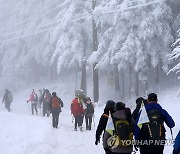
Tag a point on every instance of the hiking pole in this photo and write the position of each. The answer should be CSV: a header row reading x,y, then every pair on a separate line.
x,y
171,133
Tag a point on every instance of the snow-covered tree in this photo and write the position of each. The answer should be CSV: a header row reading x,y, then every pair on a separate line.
x,y
74,41
133,36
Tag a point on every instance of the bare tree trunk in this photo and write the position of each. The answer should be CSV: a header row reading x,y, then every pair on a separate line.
x,y
35,71
145,82
157,74
83,78
157,79
130,80
122,85
116,76
76,82
95,47
95,84
50,73
136,84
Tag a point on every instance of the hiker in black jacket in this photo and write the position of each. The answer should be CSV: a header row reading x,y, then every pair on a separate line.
x,y
7,99
109,108
138,106
89,112
121,125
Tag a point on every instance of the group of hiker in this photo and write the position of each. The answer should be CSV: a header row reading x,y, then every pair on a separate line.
x,y
41,101
50,103
81,107
119,127
143,128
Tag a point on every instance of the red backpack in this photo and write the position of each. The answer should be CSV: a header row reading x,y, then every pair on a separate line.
x,y
76,107
55,102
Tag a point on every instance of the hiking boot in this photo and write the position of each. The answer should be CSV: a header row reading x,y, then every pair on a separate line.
x,y
75,129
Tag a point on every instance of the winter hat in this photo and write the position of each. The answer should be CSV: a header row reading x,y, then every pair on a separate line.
x,y
110,104
119,106
140,100
109,107
54,93
152,97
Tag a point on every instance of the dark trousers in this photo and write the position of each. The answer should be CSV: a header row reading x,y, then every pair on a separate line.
x,y
78,121
55,117
7,105
151,149
46,109
34,106
88,121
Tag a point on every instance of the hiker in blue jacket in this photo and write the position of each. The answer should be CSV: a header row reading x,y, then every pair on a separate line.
x,y
177,144
154,130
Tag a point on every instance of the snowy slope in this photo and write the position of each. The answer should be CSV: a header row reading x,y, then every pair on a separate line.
x,y
32,135
22,133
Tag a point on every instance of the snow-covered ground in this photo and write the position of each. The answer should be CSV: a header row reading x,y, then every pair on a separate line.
x,y
22,133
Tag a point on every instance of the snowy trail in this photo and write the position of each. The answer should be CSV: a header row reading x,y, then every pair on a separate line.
x,y
23,133
70,141
35,134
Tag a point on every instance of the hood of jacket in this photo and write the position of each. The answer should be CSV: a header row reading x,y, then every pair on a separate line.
x,y
121,114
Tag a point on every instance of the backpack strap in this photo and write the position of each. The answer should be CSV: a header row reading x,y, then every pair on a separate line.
x,y
149,129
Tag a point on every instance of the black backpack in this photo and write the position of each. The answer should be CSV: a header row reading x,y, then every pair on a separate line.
x,y
154,130
89,109
123,131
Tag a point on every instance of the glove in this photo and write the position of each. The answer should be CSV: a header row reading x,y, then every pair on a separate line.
x,y
97,141
27,101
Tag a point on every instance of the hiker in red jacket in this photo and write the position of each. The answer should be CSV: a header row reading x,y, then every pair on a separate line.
x,y
78,112
34,100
